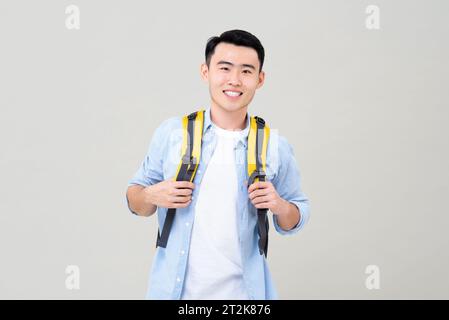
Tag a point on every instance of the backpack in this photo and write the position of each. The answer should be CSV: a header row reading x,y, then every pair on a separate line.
x,y
191,150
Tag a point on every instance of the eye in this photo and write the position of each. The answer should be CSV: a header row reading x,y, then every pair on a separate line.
x,y
247,71
224,68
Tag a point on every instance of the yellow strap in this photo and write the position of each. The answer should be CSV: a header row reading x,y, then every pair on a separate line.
x,y
197,137
252,147
198,134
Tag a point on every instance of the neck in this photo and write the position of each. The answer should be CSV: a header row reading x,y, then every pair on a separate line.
x,y
228,120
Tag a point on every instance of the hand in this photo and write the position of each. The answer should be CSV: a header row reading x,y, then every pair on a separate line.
x,y
170,194
263,195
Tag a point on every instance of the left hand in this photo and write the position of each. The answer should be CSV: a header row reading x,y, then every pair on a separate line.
x,y
263,195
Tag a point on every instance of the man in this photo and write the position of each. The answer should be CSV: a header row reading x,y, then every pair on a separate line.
x,y
212,252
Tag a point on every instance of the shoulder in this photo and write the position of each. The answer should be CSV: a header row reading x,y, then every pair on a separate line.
x,y
161,135
279,146
165,129
172,123
279,153
171,128
284,146
169,124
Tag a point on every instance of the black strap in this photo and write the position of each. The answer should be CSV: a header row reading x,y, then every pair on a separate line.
x,y
185,174
262,217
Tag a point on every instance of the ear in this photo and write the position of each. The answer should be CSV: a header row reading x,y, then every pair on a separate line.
x,y
261,79
204,71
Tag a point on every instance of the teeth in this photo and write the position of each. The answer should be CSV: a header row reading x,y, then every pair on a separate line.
x,y
232,93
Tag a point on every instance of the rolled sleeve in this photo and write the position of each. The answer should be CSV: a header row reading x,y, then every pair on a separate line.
x,y
288,185
150,170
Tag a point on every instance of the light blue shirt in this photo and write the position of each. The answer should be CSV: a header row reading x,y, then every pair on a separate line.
x,y
161,163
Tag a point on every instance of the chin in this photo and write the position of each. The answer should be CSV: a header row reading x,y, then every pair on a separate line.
x,y
233,107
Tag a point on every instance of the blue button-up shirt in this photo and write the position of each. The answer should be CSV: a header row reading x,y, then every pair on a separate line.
x,y
161,163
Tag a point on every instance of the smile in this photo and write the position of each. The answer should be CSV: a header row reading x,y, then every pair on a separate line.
x,y
232,94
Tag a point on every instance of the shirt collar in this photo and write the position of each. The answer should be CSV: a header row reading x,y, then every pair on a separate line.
x,y
243,139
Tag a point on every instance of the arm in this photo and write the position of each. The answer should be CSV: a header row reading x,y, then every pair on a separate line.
x,y
149,173
264,196
143,201
283,195
288,183
288,215
139,202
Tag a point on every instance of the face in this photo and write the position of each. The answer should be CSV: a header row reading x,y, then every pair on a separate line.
x,y
233,76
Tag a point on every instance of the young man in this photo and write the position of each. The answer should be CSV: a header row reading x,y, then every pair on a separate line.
x,y
213,252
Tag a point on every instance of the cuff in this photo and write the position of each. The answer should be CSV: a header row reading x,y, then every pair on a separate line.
x,y
304,215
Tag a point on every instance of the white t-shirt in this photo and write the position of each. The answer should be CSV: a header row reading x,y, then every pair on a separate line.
x,y
214,267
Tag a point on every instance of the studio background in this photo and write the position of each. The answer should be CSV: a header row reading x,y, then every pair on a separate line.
x,y
365,110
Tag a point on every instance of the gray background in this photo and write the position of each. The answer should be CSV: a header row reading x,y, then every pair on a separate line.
x,y
366,112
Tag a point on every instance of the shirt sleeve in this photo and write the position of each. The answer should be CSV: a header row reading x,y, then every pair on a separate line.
x,y
150,170
288,185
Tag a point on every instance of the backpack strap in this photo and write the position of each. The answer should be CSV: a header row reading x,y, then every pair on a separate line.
x,y
258,137
191,151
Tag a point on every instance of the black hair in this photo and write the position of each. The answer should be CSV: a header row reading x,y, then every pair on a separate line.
x,y
238,38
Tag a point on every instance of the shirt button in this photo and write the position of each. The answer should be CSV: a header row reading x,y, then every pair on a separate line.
x,y
182,252
177,279
187,224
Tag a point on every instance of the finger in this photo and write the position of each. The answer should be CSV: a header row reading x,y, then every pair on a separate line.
x,y
261,191
258,185
182,192
180,199
261,199
181,205
263,205
258,193
184,184
253,187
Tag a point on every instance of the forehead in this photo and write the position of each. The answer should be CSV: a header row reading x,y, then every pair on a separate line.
x,y
235,54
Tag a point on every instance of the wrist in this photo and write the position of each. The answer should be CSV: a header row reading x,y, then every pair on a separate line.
x,y
283,208
148,194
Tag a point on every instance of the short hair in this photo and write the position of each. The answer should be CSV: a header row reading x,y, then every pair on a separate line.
x,y
238,38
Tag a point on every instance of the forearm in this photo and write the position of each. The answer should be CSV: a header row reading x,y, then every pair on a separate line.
x,y
139,201
288,215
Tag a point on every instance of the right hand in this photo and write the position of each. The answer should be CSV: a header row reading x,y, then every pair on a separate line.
x,y
170,194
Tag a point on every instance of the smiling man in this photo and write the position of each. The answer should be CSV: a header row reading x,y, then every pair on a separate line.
x,y
213,251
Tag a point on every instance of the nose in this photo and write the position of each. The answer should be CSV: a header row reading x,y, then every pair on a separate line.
x,y
234,78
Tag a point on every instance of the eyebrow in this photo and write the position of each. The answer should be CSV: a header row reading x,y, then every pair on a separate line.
x,y
231,64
